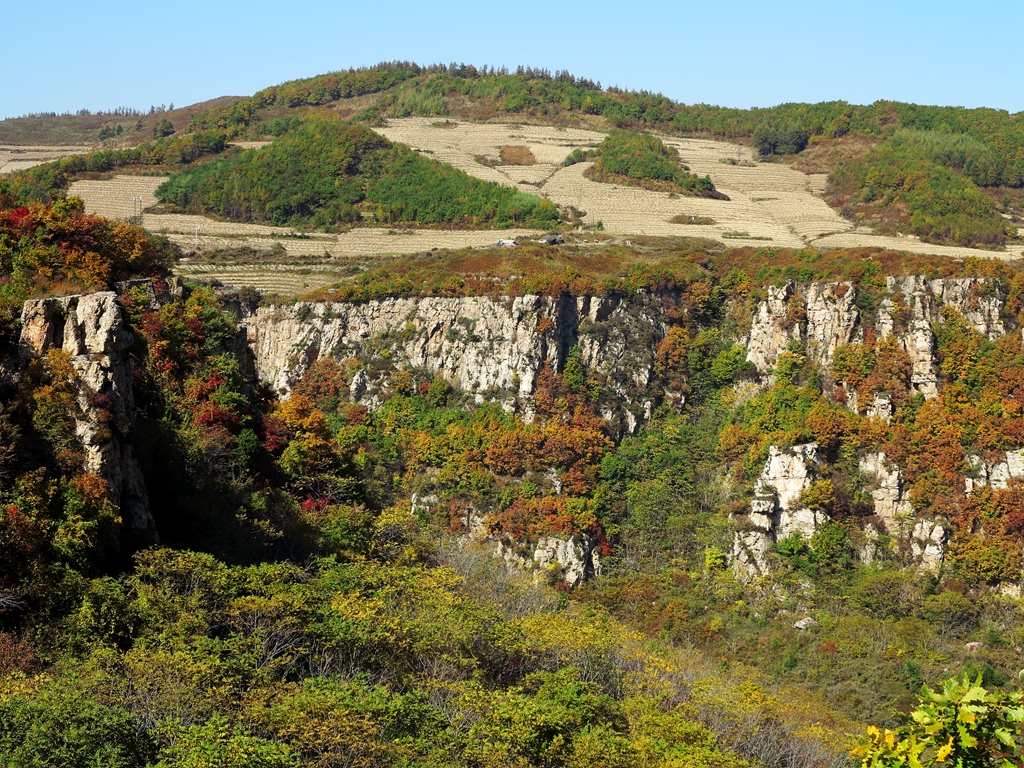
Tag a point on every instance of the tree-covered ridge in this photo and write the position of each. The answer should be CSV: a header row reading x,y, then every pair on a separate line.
x,y
301,611
929,184
322,171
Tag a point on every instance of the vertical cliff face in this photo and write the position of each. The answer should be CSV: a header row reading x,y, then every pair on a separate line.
x,y
496,347
481,344
92,330
777,509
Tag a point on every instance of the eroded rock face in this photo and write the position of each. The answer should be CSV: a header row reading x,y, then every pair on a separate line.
x,y
890,503
978,300
575,556
928,543
479,343
824,316
92,330
927,538
772,328
494,346
776,511
832,318
881,408
997,474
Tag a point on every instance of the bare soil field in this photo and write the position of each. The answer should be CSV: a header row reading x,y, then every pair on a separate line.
x,y
17,158
283,279
113,197
770,203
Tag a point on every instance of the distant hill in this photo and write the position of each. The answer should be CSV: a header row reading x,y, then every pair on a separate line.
x,y
76,129
949,175
940,193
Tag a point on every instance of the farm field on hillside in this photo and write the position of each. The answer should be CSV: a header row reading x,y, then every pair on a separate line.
x,y
283,279
18,158
767,200
770,204
113,197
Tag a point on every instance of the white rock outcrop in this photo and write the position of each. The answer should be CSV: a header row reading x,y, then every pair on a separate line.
x,y
928,543
575,556
832,318
481,344
91,329
772,328
775,511
891,505
996,474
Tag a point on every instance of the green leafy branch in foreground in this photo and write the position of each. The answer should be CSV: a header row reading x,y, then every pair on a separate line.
x,y
963,725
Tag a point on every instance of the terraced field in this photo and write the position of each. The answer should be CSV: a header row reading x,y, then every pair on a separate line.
x,y
18,158
767,201
770,204
283,279
914,245
113,197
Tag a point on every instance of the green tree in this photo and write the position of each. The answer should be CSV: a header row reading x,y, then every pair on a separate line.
x,y
963,725
162,128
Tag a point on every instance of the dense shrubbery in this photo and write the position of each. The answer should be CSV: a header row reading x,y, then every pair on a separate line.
x,y
642,159
922,183
55,247
319,170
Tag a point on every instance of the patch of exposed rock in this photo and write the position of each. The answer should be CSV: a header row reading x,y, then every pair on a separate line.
x,y
481,344
995,474
824,316
776,511
92,330
574,557
891,505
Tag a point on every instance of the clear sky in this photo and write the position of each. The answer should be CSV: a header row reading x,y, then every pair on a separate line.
x,y
99,55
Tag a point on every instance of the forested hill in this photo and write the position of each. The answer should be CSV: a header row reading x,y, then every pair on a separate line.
x,y
323,171
947,174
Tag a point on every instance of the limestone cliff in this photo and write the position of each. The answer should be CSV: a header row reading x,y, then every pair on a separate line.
x,y
824,316
776,510
481,344
92,330
495,347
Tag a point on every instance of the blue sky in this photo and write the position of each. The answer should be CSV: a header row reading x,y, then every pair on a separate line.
x,y
731,52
